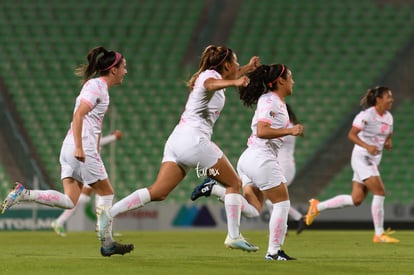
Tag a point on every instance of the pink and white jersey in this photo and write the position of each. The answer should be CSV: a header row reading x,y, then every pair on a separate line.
x,y
95,94
203,107
270,109
375,128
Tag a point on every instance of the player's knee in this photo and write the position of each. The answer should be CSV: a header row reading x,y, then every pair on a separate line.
x,y
357,201
158,196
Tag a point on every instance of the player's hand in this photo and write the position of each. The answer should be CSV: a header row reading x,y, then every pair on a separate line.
x,y
373,150
117,134
297,130
79,154
388,145
254,63
242,81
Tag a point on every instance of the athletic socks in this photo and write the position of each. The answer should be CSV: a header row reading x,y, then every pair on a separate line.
x,y
103,203
293,212
377,212
135,200
232,204
336,202
247,210
278,226
49,197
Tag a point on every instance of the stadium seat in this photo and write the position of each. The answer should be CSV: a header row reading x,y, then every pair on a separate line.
x,y
331,47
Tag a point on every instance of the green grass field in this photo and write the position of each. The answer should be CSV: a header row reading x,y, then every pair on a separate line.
x,y
203,252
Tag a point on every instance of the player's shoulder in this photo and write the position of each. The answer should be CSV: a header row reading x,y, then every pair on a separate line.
x,y
95,84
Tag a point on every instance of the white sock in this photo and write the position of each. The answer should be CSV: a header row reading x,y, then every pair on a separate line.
x,y
83,200
295,214
336,202
278,226
49,198
103,204
232,204
218,191
269,205
247,210
135,200
377,212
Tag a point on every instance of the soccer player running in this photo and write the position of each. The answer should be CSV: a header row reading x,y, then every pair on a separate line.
x,y
79,157
85,196
286,159
190,146
371,132
258,165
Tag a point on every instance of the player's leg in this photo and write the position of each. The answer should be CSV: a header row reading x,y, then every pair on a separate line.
x,y
105,196
279,197
58,225
210,186
232,203
51,198
376,186
169,176
359,193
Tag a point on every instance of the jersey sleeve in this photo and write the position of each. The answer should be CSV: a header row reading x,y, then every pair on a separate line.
x,y
206,75
360,120
90,95
267,110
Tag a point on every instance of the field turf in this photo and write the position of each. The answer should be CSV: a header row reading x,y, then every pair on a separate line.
x,y
202,252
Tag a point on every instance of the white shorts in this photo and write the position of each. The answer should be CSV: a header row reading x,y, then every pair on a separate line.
x,y
260,168
364,164
87,172
190,150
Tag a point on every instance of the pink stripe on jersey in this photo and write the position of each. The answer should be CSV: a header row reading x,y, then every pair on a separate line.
x,y
87,102
265,120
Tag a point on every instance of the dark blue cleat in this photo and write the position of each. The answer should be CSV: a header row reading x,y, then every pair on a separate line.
x,y
204,189
279,256
116,248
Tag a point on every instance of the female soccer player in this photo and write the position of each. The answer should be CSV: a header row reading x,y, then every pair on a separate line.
x,y
258,165
190,145
79,157
371,132
286,159
85,196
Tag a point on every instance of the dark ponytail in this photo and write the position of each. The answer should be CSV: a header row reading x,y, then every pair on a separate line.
x,y
100,61
370,98
262,80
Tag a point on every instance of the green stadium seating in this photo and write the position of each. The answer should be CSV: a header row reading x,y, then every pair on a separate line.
x,y
331,46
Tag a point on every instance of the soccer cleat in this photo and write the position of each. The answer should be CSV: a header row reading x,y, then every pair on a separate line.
x,y
279,256
104,222
312,211
59,229
301,225
13,197
385,238
204,189
116,248
240,243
